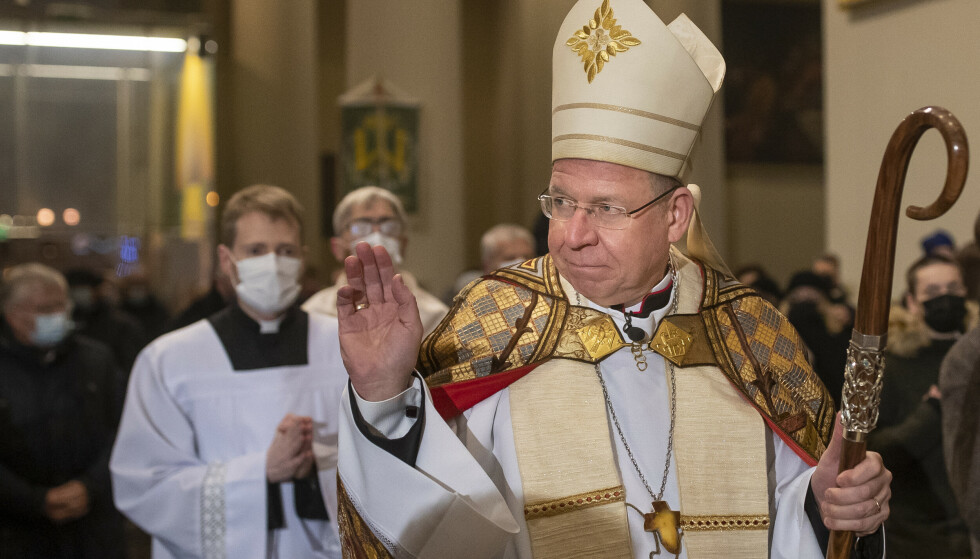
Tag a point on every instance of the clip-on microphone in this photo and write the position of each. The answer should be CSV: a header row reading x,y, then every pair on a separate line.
x,y
635,333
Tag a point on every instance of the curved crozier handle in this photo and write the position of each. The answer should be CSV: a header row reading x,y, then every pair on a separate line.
x,y
874,296
864,373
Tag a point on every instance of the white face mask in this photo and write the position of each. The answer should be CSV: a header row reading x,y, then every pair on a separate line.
x,y
50,329
268,283
377,239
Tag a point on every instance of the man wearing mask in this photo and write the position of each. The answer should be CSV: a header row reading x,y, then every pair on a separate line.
x,y
227,446
925,521
376,216
59,407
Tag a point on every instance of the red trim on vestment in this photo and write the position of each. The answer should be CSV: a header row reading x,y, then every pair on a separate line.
x,y
503,280
804,455
453,399
795,446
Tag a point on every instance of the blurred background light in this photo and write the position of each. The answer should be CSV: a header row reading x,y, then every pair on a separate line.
x,y
89,41
13,38
45,217
129,249
71,216
80,244
212,199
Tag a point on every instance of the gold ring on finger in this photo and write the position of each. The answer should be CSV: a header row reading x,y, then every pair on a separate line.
x,y
361,306
877,504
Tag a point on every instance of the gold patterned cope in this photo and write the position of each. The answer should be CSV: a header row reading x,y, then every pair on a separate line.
x,y
521,316
600,39
723,335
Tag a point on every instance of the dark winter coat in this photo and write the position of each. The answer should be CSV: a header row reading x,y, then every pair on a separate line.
x,y
59,410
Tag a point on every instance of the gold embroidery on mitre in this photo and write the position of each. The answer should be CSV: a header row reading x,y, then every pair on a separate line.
x,y
600,337
599,39
671,342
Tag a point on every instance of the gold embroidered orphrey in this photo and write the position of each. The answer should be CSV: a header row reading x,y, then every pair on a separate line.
x,y
599,39
600,338
672,343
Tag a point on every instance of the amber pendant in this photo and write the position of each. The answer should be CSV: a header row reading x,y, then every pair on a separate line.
x,y
665,525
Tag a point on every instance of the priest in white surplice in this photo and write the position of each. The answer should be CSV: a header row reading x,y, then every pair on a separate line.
x,y
615,398
228,441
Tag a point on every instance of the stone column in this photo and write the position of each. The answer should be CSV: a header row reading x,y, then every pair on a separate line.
x,y
417,46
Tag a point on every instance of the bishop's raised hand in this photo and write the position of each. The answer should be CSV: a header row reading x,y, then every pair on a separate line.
x,y
379,325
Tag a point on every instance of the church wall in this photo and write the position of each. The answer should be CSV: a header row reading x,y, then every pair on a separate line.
x,y
776,218
271,92
416,45
883,61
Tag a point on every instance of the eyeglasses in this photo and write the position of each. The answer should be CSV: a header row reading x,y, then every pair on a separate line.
x,y
386,225
602,215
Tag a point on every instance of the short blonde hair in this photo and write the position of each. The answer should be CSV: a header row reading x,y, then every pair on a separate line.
x,y
18,278
273,201
364,196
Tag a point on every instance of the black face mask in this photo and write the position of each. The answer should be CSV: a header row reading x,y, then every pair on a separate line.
x,y
945,313
804,310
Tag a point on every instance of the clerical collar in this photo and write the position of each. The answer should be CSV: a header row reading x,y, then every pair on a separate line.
x,y
647,324
653,301
270,326
252,345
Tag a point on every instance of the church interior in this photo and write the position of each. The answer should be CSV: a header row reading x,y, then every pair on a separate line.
x,y
125,126
100,130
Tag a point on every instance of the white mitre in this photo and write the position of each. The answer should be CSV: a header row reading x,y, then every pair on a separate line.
x,y
629,90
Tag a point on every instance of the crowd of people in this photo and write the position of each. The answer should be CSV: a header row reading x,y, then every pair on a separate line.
x,y
552,398
254,352
927,428
68,344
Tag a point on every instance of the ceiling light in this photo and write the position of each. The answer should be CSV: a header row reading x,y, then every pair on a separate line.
x,y
88,41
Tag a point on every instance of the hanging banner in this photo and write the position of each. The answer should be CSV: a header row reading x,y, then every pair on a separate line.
x,y
380,140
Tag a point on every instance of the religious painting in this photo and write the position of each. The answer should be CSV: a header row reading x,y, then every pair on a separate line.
x,y
774,85
380,141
